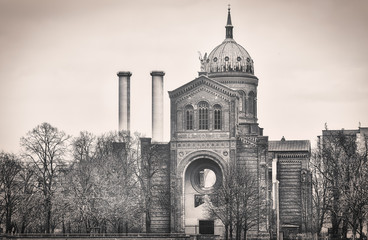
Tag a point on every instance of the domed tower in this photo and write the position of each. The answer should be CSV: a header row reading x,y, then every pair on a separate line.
x,y
213,121
230,64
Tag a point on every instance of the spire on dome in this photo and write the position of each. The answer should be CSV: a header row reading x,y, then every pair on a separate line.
x,y
228,16
229,26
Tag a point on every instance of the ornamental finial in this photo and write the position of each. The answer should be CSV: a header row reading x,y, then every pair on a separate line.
x,y
229,26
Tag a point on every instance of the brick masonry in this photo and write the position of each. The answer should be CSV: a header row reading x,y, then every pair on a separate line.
x,y
241,141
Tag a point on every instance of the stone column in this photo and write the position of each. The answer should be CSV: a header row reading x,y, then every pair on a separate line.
x,y
157,105
275,196
124,100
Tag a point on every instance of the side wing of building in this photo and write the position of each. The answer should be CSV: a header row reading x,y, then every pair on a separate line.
x,y
291,160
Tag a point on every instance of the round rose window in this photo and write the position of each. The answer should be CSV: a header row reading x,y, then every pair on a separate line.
x,y
205,175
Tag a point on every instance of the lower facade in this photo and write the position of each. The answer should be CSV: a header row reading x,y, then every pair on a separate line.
x,y
190,172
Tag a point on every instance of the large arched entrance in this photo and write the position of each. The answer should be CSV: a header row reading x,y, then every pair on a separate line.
x,y
202,177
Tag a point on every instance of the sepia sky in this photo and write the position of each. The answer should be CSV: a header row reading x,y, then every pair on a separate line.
x,y
59,59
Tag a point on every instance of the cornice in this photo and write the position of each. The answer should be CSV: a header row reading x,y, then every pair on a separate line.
x,y
292,155
231,74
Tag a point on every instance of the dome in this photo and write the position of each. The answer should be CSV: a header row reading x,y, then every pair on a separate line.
x,y
228,56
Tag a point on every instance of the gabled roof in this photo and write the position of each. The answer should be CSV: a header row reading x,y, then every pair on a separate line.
x,y
289,146
203,80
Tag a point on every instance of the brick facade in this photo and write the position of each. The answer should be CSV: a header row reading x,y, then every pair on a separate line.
x,y
213,122
240,141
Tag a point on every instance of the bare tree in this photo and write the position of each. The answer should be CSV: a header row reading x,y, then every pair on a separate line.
x,y
45,147
321,198
27,213
149,168
340,182
236,203
10,168
355,194
102,185
81,179
117,185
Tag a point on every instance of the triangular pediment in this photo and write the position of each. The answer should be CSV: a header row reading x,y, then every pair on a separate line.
x,y
203,83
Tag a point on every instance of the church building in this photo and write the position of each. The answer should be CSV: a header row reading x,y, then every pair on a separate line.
x,y
213,125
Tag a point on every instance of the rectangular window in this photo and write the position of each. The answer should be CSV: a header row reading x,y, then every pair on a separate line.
x,y
203,119
189,120
217,118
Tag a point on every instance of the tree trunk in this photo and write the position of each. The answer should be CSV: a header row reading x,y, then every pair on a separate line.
x,y
48,214
231,230
360,226
148,221
23,226
8,222
245,233
335,225
238,230
344,229
227,232
354,226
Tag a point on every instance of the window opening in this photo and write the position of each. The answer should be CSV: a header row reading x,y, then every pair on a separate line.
x,y
217,117
203,115
189,118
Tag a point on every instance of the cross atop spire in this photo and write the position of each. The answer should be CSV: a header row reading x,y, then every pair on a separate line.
x,y
229,26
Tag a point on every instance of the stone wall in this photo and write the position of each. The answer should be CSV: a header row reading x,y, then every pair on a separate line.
x,y
159,154
251,153
290,192
161,193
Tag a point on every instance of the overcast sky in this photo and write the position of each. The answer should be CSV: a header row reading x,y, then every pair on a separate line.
x,y
59,59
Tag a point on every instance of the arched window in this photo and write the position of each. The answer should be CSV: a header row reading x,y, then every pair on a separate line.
x,y
242,101
189,117
217,117
251,103
203,115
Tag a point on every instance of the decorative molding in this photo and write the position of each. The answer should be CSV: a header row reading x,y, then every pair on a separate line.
x,y
203,81
293,155
242,81
198,154
290,161
204,136
249,140
201,89
203,144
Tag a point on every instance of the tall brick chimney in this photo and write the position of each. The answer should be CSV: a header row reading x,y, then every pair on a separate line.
x,y
157,105
124,100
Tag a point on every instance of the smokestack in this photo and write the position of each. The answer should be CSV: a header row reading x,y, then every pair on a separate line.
x,y
124,100
157,105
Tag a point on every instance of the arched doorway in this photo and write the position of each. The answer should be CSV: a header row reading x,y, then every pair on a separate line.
x,y
202,177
